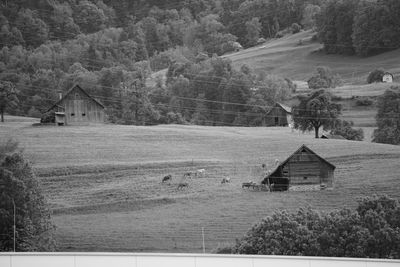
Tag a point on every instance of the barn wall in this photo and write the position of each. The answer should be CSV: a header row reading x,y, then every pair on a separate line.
x,y
309,169
81,109
280,114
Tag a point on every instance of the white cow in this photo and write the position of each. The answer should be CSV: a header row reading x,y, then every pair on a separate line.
x,y
200,172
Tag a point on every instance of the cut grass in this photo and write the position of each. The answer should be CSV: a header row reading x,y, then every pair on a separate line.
x,y
103,182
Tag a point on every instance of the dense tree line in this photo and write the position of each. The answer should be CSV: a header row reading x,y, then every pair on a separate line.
x,y
369,231
361,27
110,47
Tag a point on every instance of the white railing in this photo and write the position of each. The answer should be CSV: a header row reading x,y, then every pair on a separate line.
x,y
178,260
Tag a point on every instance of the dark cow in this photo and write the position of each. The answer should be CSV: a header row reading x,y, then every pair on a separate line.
x,y
248,184
225,180
167,178
182,185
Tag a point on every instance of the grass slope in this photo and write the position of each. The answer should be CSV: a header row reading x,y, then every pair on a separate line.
x,y
285,57
103,182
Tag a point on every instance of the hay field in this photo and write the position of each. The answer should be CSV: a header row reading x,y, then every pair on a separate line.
x,y
103,182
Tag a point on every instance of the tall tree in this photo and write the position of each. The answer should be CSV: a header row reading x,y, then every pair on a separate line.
x,y
316,111
388,118
8,97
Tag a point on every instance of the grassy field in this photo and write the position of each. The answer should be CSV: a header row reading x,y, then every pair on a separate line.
x,y
103,182
286,57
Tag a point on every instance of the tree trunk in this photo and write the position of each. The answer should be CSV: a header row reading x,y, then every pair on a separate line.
x,y
2,115
316,132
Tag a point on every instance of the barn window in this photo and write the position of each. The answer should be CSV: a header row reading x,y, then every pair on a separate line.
x,y
76,96
83,114
72,114
305,177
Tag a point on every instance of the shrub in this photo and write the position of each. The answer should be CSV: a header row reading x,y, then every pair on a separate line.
x,y
376,76
370,231
364,101
345,129
48,117
295,28
324,78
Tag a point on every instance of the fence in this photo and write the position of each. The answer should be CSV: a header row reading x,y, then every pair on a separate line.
x,y
177,260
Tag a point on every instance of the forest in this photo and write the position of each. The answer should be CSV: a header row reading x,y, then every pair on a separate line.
x,y
110,47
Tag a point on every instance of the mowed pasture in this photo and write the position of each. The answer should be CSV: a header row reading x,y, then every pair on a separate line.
x,y
296,57
103,182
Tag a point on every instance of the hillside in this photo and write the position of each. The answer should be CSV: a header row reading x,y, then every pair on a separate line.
x,y
287,58
103,182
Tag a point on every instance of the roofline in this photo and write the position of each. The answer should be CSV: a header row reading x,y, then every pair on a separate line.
x,y
306,147
70,90
281,106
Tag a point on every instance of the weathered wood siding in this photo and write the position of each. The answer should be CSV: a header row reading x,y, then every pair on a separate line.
x,y
277,117
304,168
81,109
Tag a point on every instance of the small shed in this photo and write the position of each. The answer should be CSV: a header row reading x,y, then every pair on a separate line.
x,y
332,136
279,115
77,107
304,169
387,77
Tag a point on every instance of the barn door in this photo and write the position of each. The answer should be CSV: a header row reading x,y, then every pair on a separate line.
x,y
78,110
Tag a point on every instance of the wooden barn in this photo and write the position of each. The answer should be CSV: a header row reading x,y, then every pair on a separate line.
x,y
77,107
303,169
279,115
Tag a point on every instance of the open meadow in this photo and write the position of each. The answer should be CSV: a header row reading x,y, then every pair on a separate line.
x,y
103,182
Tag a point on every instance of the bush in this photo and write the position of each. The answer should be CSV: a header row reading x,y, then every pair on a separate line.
x,y
295,28
376,76
48,117
324,78
370,231
364,101
345,129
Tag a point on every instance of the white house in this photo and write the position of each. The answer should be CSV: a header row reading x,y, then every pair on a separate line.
x,y
387,77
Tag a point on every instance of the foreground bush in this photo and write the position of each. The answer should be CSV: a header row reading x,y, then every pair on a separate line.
x,y
370,231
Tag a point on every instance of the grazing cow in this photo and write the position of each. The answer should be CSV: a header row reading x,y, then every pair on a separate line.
x,y
248,184
182,185
200,172
187,175
167,178
225,180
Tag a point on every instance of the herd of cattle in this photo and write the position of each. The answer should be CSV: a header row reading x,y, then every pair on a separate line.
x,y
201,173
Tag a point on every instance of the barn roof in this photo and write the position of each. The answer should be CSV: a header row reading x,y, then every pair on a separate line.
x,y
284,107
388,73
297,151
69,91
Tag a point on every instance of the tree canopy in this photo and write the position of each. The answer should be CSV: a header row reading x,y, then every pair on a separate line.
x,y
388,118
315,111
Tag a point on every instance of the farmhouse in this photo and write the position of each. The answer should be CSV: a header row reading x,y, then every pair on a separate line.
x,y
303,169
77,107
387,77
279,115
